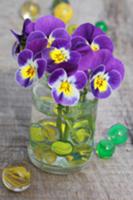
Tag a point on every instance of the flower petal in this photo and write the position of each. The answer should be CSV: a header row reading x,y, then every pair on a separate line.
x,y
60,33
115,64
60,98
21,81
100,95
56,77
88,31
79,79
79,44
99,69
24,56
48,23
36,42
114,79
41,67
104,42
61,43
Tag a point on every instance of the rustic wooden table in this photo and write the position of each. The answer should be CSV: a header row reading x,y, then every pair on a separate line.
x,y
103,179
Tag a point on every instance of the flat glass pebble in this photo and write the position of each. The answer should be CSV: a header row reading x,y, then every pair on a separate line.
x,y
80,135
118,133
102,25
16,177
29,10
62,148
105,149
49,156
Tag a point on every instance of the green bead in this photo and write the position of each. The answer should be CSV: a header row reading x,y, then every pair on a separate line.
x,y
105,149
102,25
118,133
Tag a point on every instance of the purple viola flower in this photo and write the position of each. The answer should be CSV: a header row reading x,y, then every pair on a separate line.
x,y
48,29
107,76
60,55
95,39
66,89
29,69
28,27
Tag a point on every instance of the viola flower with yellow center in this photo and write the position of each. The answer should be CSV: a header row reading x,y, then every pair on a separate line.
x,y
96,40
66,89
47,30
103,82
29,69
60,55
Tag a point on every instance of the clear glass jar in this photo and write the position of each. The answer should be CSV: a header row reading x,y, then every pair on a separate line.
x,y
61,138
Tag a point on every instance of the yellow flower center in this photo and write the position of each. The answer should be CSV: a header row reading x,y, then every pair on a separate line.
x,y
100,83
95,47
59,55
50,41
66,88
28,71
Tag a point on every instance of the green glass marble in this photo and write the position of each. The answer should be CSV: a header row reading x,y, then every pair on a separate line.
x,y
118,133
105,149
102,25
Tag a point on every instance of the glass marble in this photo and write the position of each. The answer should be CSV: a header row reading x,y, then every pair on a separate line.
x,y
63,11
118,133
29,10
102,25
16,177
105,149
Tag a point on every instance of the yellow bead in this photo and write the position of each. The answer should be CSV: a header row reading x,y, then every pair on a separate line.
x,y
63,11
29,10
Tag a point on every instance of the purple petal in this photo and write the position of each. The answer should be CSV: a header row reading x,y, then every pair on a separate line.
x,y
86,61
61,43
21,81
57,76
15,49
101,57
24,56
41,67
74,57
100,68
79,44
70,68
100,95
87,31
63,100
29,28
79,79
114,79
36,42
115,64
60,33
47,24
104,42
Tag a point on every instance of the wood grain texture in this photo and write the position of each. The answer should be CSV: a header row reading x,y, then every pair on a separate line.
x,y
102,179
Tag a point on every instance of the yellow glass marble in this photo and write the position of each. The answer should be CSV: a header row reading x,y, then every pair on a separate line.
x,y
63,11
29,10
16,177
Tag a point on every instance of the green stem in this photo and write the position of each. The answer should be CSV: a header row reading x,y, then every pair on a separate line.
x,y
67,126
59,120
